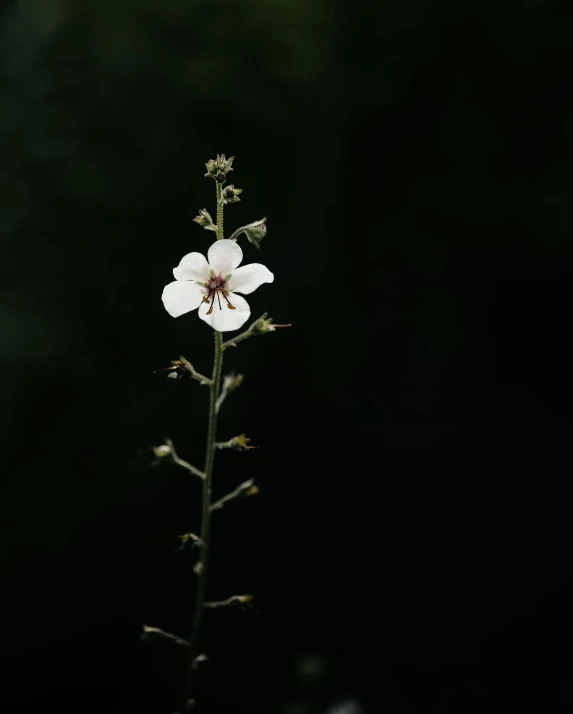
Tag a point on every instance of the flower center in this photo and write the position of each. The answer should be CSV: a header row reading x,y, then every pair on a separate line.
x,y
215,287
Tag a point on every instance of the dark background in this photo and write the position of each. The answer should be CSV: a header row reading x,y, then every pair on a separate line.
x,y
412,548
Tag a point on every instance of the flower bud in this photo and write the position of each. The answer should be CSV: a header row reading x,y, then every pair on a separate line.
x,y
231,194
162,451
204,219
256,231
219,167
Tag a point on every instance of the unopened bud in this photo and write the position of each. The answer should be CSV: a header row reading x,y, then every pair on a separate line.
x,y
231,194
162,451
256,231
204,219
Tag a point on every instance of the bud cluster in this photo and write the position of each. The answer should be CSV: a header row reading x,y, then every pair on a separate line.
x,y
219,168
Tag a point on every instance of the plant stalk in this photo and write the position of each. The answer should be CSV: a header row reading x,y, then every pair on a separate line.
x,y
205,515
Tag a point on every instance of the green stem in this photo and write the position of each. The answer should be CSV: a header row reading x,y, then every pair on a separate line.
x,y
219,211
201,570
234,341
206,514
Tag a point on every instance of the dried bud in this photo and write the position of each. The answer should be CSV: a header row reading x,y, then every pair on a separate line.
x,y
232,381
231,194
183,369
190,540
219,167
179,369
204,219
264,325
241,443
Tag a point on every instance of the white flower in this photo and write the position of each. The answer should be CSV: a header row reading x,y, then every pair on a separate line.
x,y
213,286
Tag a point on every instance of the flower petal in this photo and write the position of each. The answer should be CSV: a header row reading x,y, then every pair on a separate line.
x,y
181,297
193,266
224,320
224,256
248,278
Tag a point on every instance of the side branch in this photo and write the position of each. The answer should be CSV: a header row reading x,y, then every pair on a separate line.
x,y
241,601
258,327
253,329
230,383
148,632
247,488
183,369
239,443
182,463
190,370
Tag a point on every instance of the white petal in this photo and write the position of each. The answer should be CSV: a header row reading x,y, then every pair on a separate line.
x,y
224,256
181,297
193,266
225,320
248,278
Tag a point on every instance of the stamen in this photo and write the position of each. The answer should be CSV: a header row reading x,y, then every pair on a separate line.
x,y
210,310
231,307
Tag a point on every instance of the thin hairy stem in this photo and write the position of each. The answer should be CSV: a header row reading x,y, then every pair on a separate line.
x,y
219,211
205,515
201,568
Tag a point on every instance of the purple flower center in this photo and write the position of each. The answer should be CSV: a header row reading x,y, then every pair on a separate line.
x,y
217,287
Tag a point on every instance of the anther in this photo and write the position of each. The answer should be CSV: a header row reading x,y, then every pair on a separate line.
x,y
231,307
